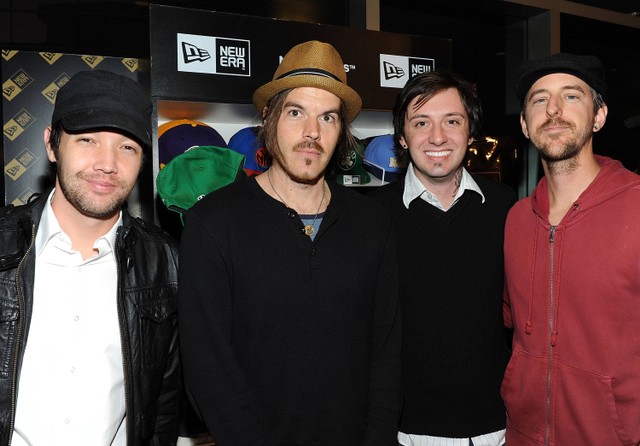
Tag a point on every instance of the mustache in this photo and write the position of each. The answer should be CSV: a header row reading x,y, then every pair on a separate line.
x,y
309,145
552,122
100,178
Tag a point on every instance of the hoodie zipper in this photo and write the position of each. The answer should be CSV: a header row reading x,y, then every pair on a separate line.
x,y
19,330
552,232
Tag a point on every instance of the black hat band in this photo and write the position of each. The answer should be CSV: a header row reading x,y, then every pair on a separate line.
x,y
311,71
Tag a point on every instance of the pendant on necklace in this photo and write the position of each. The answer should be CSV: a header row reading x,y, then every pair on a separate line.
x,y
309,230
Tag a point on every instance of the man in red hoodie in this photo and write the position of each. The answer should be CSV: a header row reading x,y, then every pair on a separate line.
x,y
572,265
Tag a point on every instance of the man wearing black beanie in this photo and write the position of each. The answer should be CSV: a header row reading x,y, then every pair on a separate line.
x,y
572,268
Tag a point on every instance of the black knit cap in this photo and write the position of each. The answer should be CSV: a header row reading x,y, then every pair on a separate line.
x,y
98,99
587,68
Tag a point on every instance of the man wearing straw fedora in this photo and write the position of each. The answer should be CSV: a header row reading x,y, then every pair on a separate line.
x,y
288,303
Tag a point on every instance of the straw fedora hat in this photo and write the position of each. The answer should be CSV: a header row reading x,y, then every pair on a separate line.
x,y
311,64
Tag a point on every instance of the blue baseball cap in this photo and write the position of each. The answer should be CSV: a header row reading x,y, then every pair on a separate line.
x,y
380,159
257,158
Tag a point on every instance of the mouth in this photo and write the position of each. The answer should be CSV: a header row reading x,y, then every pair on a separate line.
x,y
101,185
556,126
308,151
309,148
438,153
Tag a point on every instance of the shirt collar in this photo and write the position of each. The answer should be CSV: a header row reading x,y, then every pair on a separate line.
x,y
49,229
413,189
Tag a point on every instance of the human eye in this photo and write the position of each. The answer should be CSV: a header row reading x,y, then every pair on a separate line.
x,y
130,148
538,100
454,122
329,118
84,139
420,124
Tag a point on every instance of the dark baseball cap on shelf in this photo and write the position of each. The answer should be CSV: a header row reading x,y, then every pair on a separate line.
x,y
177,136
587,68
98,99
632,122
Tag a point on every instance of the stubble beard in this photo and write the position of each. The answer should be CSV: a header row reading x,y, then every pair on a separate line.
x,y
561,157
304,178
74,192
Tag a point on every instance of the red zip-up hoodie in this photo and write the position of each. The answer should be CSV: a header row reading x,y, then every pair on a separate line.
x,y
572,295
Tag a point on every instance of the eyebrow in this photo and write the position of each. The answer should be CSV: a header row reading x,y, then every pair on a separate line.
x,y
564,88
296,105
446,115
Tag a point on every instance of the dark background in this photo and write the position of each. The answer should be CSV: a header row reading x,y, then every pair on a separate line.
x,y
481,32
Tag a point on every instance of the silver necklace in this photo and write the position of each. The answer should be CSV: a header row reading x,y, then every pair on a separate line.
x,y
310,228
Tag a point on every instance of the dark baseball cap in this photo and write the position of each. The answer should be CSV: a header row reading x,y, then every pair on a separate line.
x,y
632,122
102,99
587,68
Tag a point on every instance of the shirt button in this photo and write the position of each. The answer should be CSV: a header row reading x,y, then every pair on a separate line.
x,y
67,421
77,318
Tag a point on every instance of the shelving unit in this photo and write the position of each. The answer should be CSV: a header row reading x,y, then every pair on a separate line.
x,y
193,77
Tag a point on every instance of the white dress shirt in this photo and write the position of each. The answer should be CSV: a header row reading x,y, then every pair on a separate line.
x,y
71,386
491,439
413,189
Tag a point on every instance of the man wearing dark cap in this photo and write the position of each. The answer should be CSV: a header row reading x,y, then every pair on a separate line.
x,y
289,322
572,264
88,328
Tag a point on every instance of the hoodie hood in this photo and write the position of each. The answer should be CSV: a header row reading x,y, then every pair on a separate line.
x,y
612,179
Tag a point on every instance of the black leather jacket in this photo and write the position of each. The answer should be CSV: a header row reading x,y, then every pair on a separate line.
x,y
147,302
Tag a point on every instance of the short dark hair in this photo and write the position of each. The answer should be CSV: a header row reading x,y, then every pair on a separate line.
x,y
425,86
55,136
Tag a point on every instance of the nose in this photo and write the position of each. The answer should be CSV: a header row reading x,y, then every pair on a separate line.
x,y
106,160
437,136
312,129
553,107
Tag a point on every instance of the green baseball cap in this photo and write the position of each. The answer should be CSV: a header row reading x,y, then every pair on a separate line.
x,y
348,170
190,176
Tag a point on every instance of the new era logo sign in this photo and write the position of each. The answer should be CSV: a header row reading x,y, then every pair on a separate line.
x,y
192,53
232,57
392,71
214,55
395,71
